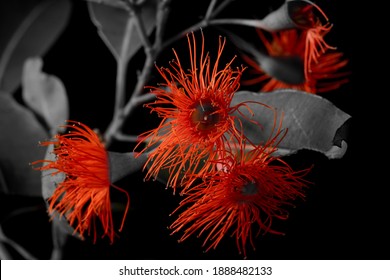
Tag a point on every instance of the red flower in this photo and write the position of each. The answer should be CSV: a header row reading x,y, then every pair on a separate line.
x,y
304,15
196,114
84,195
321,66
319,60
248,191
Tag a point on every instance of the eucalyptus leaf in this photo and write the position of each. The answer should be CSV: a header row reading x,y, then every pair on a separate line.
x,y
44,94
117,28
312,121
36,29
19,137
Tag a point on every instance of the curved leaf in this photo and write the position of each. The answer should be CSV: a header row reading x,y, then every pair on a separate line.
x,y
44,94
19,137
312,121
117,27
39,27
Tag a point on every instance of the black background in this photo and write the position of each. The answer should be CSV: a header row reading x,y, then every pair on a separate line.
x,y
342,217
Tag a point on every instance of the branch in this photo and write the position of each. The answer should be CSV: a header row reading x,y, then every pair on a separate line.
x,y
161,19
210,14
126,138
210,9
222,6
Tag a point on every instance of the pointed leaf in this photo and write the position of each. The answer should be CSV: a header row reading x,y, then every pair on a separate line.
x,y
117,27
19,137
281,18
312,121
37,29
44,94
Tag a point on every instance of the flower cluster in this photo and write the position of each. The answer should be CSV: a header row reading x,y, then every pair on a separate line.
x,y
200,138
231,184
242,186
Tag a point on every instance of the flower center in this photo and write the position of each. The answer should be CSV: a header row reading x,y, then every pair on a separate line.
x,y
245,187
249,189
205,116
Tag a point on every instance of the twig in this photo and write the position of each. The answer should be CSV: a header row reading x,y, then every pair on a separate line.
x,y
210,14
161,19
210,9
222,6
126,138
121,71
136,99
